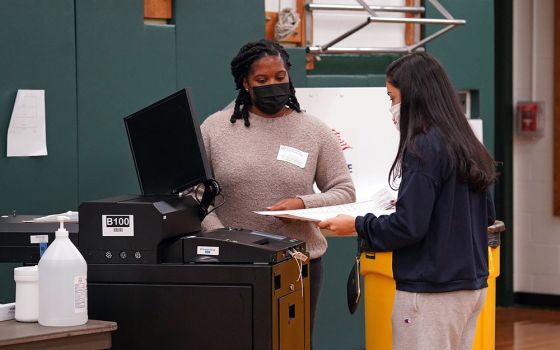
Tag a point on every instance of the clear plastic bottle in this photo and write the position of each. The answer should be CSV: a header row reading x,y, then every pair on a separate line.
x,y
62,283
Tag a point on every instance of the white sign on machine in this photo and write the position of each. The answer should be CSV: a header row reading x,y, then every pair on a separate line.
x,y
207,250
118,225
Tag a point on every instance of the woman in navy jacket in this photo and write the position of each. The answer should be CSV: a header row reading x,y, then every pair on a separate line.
x,y
438,233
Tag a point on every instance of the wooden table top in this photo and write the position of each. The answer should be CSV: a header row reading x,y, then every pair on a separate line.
x,y
13,332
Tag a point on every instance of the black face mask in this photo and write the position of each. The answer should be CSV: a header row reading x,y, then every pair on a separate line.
x,y
271,98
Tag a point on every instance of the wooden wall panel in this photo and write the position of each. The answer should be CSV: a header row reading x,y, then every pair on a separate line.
x,y
160,9
409,31
556,110
298,38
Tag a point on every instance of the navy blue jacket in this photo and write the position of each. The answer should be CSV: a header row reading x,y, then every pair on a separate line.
x,y
438,233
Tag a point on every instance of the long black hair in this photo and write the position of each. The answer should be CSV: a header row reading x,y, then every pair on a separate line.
x,y
240,68
428,99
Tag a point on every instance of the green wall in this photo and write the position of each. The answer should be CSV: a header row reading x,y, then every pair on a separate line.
x,y
467,52
37,52
122,66
209,35
99,62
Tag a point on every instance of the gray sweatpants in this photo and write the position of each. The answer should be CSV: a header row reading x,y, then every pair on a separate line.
x,y
436,321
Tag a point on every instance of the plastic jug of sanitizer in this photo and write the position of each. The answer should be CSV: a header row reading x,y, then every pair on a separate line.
x,y
62,283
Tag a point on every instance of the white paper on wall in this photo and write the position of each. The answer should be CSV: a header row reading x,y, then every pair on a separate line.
x,y
27,131
361,120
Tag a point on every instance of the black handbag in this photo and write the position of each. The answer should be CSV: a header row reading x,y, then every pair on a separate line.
x,y
353,289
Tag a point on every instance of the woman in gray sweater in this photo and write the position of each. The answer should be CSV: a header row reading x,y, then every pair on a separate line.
x,y
267,154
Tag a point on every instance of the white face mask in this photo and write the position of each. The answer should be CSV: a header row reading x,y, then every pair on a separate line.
x,y
396,113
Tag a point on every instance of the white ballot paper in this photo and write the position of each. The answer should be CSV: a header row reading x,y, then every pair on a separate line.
x,y
27,131
382,204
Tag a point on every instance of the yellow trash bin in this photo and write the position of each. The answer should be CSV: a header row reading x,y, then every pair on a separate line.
x,y
379,288
485,336
379,293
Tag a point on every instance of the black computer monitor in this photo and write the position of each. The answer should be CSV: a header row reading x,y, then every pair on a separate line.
x,y
167,146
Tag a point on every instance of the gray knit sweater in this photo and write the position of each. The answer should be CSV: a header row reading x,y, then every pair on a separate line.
x,y
244,162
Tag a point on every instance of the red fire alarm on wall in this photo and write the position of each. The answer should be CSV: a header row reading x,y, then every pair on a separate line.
x,y
529,119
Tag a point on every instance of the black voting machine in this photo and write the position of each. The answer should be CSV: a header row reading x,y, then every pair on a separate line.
x,y
167,284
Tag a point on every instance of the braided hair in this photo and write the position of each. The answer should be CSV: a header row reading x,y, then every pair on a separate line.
x,y
240,67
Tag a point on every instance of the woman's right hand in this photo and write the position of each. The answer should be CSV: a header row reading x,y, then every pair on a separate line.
x,y
341,225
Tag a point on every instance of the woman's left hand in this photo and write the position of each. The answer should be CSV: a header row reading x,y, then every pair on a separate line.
x,y
341,225
287,204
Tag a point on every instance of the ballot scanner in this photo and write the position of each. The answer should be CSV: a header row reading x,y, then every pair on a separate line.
x,y
221,289
166,229
166,283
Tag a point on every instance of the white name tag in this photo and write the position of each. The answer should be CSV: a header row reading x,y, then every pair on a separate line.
x,y
293,156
